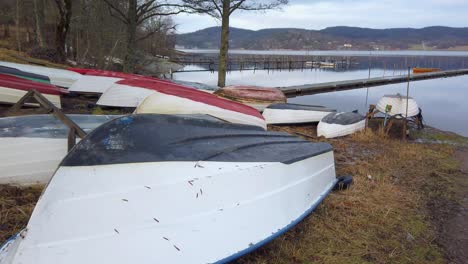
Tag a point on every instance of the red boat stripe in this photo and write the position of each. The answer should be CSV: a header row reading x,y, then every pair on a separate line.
x,y
14,82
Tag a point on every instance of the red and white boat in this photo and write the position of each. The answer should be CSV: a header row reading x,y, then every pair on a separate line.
x,y
256,97
152,96
59,77
13,88
98,81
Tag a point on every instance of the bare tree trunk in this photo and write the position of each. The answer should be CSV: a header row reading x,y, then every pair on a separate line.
x,y
65,11
6,31
224,45
39,16
18,33
129,62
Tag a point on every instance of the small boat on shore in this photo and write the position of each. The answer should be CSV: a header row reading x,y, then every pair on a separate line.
x,y
340,124
189,101
398,103
169,189
294,113
31,147
132,92
256,97
59,77
425,70
24,75
13,88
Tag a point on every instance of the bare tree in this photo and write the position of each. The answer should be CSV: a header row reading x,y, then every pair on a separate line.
x,y
65,11
135,13
18,30
223,9
40,24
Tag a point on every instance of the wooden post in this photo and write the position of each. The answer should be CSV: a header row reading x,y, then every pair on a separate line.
x,y
71,138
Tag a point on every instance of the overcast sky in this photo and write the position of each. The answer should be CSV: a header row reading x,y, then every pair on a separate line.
x,y
319,14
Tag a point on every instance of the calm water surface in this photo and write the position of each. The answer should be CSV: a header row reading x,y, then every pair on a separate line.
x,y
443,101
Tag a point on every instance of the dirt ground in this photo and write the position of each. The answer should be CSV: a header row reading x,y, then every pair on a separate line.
x,y
454,237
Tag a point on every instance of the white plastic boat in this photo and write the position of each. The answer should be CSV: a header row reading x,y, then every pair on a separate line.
x,y
165,189
190,101
340,124
93,84
13,88
128,93
59,77
294,113
31,147
398,103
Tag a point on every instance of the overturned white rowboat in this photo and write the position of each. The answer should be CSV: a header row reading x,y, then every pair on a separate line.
x,y
165,189
31,147
93,84
59,77
294,113
398,103
13,88
340,124
188,101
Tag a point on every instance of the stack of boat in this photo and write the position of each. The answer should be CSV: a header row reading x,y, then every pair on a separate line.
x,y
12,88
58,77
173,189
169,183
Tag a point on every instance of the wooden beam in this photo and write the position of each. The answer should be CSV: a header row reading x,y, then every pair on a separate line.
x,y
49,107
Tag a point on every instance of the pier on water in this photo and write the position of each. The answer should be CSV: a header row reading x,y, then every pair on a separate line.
x,y
308,89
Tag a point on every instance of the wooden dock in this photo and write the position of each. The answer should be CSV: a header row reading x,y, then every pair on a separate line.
x,y
308,89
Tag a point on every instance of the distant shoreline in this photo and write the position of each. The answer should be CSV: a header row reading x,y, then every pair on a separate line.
x,y
365,53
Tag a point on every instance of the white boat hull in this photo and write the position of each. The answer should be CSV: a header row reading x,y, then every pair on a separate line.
x,y
398,104
336,130
12,96
286,116
93,84
169,212
160,103
119,95
28,161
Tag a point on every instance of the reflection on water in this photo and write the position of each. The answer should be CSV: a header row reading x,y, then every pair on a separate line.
x,y
443,101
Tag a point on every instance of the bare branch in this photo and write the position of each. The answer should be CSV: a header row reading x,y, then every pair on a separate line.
x,y
121,16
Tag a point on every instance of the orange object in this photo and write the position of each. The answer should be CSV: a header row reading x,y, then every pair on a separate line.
x,y
425,70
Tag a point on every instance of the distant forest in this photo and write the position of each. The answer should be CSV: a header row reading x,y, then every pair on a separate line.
x,y
331,38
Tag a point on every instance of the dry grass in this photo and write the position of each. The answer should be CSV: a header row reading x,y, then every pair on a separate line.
x,y
383,218
16,205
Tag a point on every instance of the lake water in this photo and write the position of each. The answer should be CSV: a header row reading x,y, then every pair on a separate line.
x,y
443,101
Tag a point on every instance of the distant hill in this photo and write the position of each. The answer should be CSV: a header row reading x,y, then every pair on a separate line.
x,y
330,38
